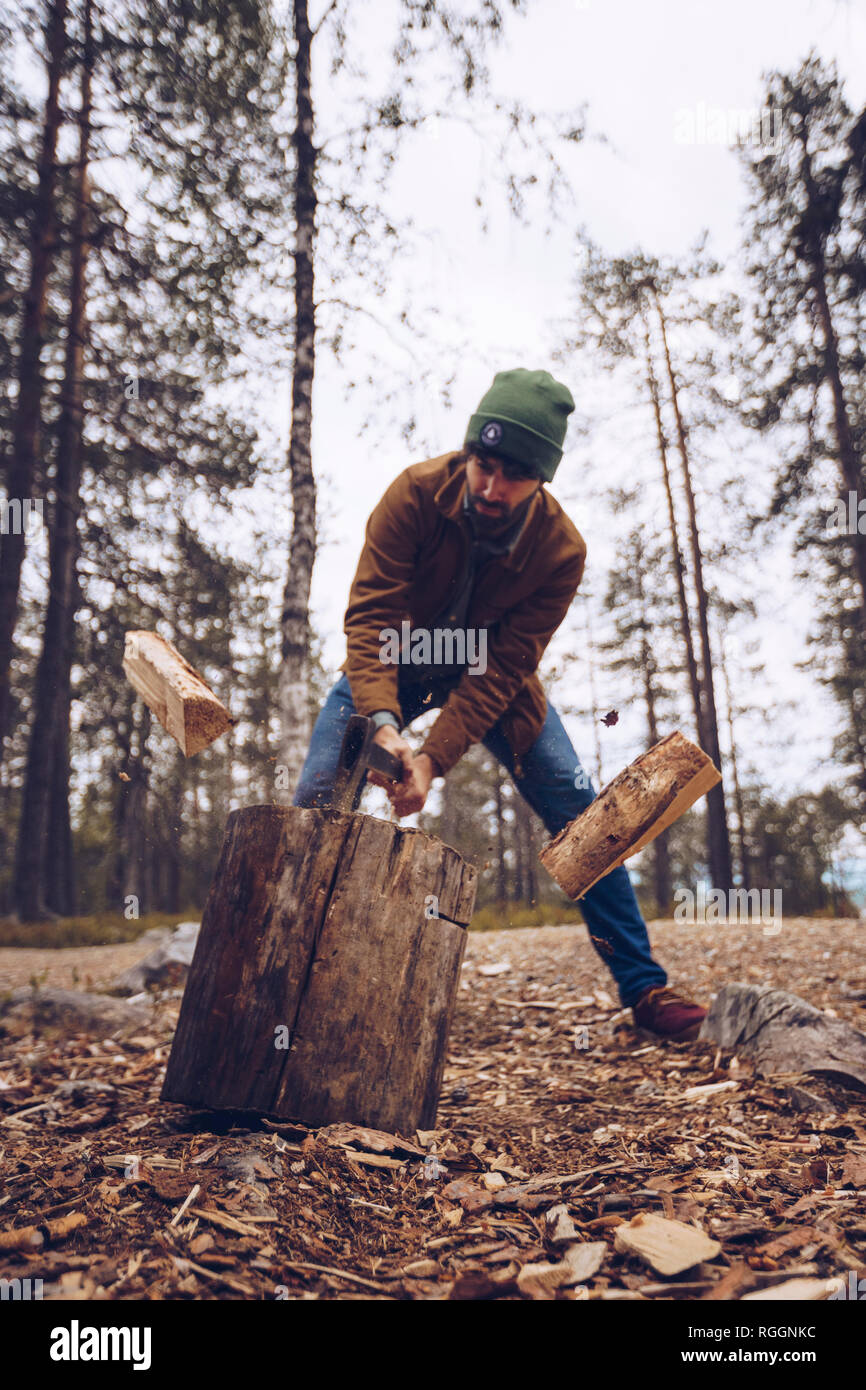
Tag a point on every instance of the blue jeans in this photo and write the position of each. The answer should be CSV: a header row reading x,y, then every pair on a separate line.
x,y
547,782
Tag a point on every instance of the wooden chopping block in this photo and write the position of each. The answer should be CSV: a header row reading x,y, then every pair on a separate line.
x,y
325,972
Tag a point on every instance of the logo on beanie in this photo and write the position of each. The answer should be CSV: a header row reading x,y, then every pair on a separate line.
x,y
491,433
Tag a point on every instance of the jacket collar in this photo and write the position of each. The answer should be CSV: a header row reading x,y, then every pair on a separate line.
x,y
449,500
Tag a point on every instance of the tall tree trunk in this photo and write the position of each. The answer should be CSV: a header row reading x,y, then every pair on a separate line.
x,y
676,551
116,864
524,833
849,463
138,867
25,439
738,791
859,734
721,870
60,896
501,869
127,872
662,876
519,894
51,698
595,712
174,820
294,675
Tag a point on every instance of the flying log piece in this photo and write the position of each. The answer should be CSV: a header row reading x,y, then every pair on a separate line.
x,y
325,971
184,705
629,812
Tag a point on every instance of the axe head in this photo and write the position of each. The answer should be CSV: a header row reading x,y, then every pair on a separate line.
x,y
358,754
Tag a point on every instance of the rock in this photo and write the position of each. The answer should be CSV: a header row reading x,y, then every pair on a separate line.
x,y
186,931
782,1033
803,1101
71,1010
167,964
249,1166
667,1246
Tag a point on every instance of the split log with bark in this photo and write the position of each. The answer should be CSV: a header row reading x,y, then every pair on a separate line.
x,y
629,812
184,704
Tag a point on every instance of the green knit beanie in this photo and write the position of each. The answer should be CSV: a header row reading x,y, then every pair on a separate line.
x,y
523,418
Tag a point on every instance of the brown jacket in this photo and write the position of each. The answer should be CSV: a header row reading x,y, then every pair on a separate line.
x,y
415,551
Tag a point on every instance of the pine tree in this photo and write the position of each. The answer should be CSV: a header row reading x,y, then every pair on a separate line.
x,y
48,754
642,648
161,323
806,260
804,368
623,313
22,464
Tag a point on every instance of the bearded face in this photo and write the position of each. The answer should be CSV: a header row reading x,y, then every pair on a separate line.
x,y
496,488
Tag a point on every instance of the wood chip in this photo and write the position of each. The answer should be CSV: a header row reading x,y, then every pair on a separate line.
x,y
527,1003
193,1193
228,1223
704,1092
335,1273
578,1263
559,1226
798,1291
375,1160
421,1269
667,1246
375,1141
493,1181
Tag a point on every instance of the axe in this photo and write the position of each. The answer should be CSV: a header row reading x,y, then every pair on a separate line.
x,y
358,755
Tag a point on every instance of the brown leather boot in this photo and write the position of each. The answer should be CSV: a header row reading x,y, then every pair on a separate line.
x,y
668,1015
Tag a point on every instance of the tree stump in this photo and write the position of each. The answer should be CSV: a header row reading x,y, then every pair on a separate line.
x,y
325,971
647,797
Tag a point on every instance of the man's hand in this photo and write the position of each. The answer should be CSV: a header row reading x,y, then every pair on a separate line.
x,y
407,796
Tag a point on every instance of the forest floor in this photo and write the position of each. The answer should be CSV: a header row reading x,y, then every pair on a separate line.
x,y
551,1100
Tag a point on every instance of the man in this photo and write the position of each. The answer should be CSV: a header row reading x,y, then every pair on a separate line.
x,y
471,546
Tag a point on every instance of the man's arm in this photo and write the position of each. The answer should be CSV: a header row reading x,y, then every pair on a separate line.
x,y
513,654
379,597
